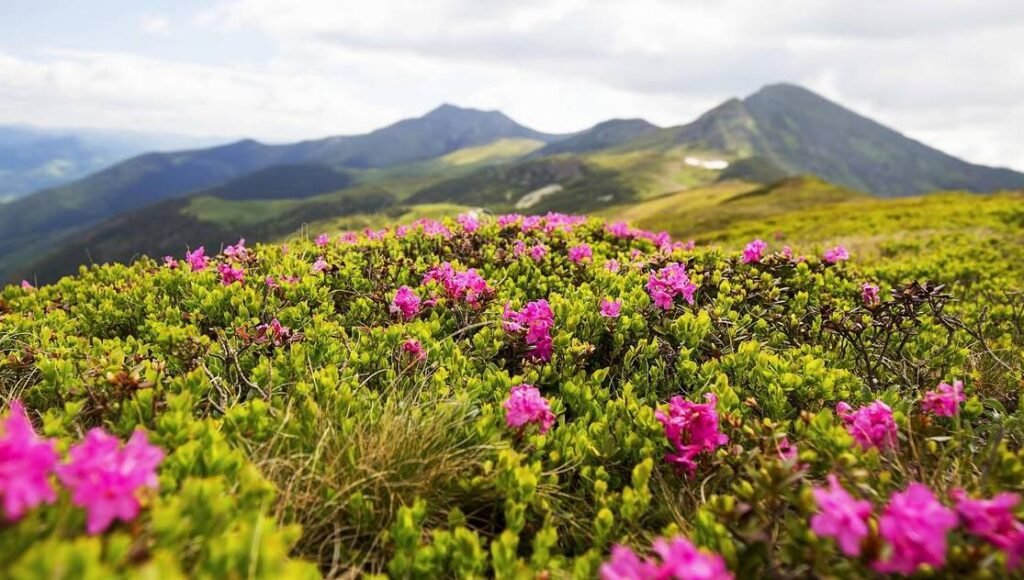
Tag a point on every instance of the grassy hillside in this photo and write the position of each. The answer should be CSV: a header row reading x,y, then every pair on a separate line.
x,y
359,408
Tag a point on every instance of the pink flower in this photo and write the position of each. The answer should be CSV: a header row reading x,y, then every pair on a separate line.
x,y
871,426
170,262
524,406
618,229
840,516
945,400
669,282
611,308
273,332
197,259
469,222
612,266
105,478
405,303
270,282
679,558
691,428
914,525
580,253
229,275
835,255
538,252
322,240
237,251
537,320
787,450
993,521
319,265
787,252
624,564
869,294
519,248
414,348
26,285
754,251
26,461
467,286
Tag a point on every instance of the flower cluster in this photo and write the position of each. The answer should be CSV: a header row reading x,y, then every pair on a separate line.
x,y
534,321
677,558
230,274
103,477
413,348
580,253
835,255
872,425
993,520
691,428
405,303
668,283
841,516
526,406
464,286
945,400
197,259
754,251
611,308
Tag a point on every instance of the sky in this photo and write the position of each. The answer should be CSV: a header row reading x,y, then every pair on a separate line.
x,y
947,72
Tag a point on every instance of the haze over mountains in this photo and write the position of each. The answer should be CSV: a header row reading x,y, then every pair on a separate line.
x,y
158,202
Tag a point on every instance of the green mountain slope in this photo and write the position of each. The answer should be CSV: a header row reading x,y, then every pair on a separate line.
x,y
601,136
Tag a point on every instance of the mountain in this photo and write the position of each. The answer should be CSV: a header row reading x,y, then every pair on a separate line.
x,y
34,158
804,133
601,136
36,222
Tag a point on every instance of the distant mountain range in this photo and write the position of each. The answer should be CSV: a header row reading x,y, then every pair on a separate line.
x,y
158,202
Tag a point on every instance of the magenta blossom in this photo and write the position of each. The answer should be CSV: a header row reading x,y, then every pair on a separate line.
x,y
229,275
872,425
535,321
274,333
319,265
840,516
26,285
322,240
237,251
612,266
170,262
105,478
945,400
469,222
26,461
611,308
835,255
406,303
993,521
467,286
525,406
869,294
754,251
580,253
692,429
677,558
271,282
538,252
787,450
414,348
668,283
197,259
619,229
914,526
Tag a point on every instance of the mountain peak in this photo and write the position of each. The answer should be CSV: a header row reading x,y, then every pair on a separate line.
x,y
450,111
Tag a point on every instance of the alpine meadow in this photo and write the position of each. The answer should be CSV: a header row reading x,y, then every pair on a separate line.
x,y
777,340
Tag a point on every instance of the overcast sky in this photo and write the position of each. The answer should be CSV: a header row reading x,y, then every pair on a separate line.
x,y
947,72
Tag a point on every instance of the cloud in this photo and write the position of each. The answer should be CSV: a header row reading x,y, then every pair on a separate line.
x,y
155,24
942,72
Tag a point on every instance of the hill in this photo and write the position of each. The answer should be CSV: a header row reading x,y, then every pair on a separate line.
x,y
443,400
601,136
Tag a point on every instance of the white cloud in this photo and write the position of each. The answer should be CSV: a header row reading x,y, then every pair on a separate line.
x,y
945,72
155,24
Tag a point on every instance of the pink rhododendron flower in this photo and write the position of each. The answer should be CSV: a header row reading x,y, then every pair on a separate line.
x,y
467,286
787,450
914,526
612,266
229,274
406,303
945,400
197,259
993,521
835,255
677,558
319,265
754,251
538,252
526,406
519,248
322,240
237,251
692,428
170,262
469,222
787,252
618,229
273,332
26,461
26,285
536,320
270,282
611,308
349,238
105,478
580,253
509,219
871,426
840,516
414,348
869,294
669,282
